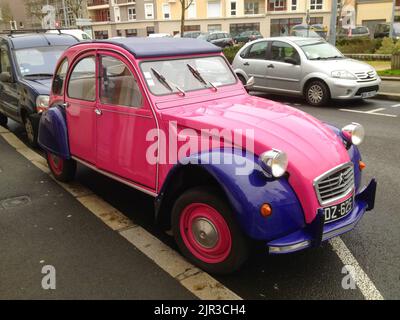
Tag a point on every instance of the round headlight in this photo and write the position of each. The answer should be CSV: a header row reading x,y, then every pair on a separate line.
x,y
275,162
354,132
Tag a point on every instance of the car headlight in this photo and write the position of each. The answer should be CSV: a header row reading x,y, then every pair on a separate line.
x,y
274,162
343,74
354,132
42,103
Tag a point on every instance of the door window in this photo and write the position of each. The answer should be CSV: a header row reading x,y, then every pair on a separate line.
x,y
5,65
281,50
258,51
59,78
118,86
82,82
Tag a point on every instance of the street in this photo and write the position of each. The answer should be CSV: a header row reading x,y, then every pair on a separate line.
x,y
374,245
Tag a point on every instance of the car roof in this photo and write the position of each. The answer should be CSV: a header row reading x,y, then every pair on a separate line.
x,y
22,41
161,47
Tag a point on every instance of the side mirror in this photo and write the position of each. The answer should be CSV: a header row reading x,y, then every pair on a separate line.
x,y
290,60
5,77
249,83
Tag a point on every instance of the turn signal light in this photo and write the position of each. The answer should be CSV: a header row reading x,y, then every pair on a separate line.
x,y
266,210
361,165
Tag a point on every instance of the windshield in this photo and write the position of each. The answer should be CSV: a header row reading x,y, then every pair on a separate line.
x,y
40,61
180,77
321,50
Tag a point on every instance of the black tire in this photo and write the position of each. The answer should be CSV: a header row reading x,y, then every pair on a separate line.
x,y
31,131
211,197
3,120
243,81
317,93
66,172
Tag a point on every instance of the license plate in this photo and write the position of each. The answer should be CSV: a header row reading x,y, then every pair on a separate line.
x,y
368,94
338,211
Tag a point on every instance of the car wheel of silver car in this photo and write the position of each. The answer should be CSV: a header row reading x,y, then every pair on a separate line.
x,y
206,232
317,93
3,120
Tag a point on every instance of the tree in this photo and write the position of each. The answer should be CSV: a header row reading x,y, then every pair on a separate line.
x,y
185,4
76,7
5,14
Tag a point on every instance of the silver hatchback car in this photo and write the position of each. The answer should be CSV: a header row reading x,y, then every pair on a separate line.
x,y
306,67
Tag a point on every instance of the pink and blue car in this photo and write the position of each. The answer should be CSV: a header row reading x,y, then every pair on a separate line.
x,y
170,118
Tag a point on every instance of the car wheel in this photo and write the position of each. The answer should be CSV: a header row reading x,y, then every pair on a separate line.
x,y
206,232
3,120
31,133
62,169
317,93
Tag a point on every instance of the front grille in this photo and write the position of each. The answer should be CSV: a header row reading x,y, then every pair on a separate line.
x,y
335,184
366,89
365,76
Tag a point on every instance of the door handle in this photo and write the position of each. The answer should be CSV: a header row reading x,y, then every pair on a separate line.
x,y
98,112
246,64
270,66
65,105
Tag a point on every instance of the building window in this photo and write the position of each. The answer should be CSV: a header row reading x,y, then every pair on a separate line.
x,y
251,8
236,28
102,34
131,13
119,33
149,30
277,5
131,33
282,27
233,8
191,28
213,8
316,4
149,11
214,27
166,11
294,5
191,11
316,20
397,3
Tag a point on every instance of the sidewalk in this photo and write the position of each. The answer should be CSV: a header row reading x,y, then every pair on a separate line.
x,y
389,90
43,224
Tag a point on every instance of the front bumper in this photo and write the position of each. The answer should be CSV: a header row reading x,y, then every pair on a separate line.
x,y
351,89
316,232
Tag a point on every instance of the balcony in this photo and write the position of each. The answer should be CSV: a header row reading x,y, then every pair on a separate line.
x,y
124,2
277,5
254,7
98,4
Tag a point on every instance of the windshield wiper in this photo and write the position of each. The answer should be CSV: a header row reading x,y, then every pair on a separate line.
x,y
166,83
199,77
47,75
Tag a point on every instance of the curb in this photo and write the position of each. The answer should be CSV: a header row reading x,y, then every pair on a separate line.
x,y
390,78
388,96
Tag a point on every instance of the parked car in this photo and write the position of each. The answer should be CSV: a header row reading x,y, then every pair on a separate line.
x,y
383,30
77,33
356,32
305,33
311,31
247,36
192,34
320,29
306,67
160,35
164,120
26,68
219,38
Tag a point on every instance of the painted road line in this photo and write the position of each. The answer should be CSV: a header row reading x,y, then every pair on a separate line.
x,y
198,282
363,282
370,112
395,106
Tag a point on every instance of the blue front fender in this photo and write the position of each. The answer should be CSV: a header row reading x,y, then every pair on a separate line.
x,y
247,192
53,133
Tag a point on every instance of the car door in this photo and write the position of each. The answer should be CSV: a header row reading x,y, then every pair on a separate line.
x,y
254,63
283,71
80,102
123,121
8,85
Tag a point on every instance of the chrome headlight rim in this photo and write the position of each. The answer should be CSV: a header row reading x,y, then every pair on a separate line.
x,y
343,74
274,162
354,133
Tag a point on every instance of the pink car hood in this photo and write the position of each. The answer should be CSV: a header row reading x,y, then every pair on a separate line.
x,y
312,148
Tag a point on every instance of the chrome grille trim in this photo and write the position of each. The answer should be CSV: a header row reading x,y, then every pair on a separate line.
x,y
327,187
365,76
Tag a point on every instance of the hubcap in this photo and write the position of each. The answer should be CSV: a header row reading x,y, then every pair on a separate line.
x,y
29,130
315,93
205,232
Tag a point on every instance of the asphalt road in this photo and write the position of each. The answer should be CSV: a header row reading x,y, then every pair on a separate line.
x,y
314,273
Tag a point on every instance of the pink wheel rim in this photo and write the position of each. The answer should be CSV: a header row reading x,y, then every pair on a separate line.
x,y
205,233
56,163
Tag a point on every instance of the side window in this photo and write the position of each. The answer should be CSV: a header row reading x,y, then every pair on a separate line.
x,y
59,78
281,50
258,51
82,82
5,64
118,86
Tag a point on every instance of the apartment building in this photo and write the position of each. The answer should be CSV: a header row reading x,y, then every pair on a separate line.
x,y
141,17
